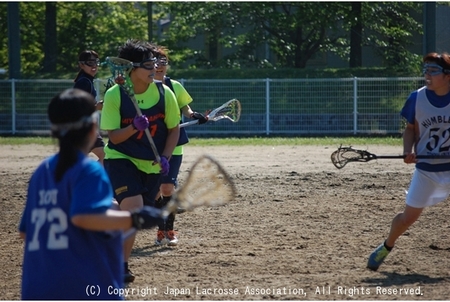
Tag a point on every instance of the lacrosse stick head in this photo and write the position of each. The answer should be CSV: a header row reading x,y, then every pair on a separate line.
x,y
231,110
207,184
344,155
120,69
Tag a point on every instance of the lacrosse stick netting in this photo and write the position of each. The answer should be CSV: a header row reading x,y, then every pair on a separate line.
x,y
230,110
344,155
207,184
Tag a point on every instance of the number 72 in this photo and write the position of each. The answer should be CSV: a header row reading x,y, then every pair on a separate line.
x,y
58,224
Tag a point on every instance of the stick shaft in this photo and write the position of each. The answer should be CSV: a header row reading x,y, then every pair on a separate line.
x,y
188,123
417,156
147,132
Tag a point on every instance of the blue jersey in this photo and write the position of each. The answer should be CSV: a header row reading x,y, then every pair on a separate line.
x,y
62,261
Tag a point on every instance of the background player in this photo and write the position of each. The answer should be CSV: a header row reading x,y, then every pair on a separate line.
x,y
166,231
88,62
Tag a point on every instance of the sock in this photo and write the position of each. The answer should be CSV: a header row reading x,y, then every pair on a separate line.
x,y
171,218
159,205
387,247
170,221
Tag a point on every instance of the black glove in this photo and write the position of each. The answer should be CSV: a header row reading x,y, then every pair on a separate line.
x,y
200,117
146,218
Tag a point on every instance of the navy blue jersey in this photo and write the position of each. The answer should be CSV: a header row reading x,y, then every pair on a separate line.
x,y
85,82
138,146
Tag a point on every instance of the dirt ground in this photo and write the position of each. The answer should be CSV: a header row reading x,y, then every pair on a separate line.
x,y
299,229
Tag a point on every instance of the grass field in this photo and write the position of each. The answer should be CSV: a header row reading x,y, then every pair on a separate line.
x,y
256,141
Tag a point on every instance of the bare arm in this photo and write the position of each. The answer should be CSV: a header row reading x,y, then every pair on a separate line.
x,y
171,142
187,111
409,138
118,136
109,220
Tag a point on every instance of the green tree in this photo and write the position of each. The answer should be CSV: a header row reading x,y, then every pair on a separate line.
x,y
294,31
100,26
389,30
215,21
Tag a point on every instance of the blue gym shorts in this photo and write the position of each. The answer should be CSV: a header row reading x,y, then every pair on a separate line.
x,y
128,181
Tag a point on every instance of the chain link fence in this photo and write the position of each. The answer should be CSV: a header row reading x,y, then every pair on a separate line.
x,y
277,107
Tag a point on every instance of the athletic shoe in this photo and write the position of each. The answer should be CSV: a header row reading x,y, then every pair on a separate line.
x,y
160,238
377,257
172,238
129,277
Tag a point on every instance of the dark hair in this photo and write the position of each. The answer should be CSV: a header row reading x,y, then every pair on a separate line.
x,y
136,51
161,51
442,60
70,114
84,56
87,54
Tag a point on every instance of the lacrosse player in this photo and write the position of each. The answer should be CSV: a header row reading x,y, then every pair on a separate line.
x,y
169,182
427,131
73,235
89,62
129,159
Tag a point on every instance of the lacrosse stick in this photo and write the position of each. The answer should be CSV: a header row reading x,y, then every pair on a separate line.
x,y
207,184
231,110
120,69
344,155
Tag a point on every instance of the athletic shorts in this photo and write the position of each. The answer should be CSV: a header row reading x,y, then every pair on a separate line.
x,y
428,188
128,181
99,142
174,169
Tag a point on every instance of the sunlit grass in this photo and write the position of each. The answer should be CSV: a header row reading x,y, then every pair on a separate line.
x,y
259,141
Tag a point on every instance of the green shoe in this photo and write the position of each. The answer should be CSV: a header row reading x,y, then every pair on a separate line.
x,y
377,257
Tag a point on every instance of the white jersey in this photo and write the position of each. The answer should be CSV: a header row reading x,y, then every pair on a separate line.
x,y
434,129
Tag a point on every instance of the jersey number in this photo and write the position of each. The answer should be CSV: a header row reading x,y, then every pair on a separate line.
x,y
434,140
152,131
58,224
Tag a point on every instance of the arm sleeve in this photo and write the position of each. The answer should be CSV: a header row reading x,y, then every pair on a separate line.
x,y
409,109
111,109
183,97
172,118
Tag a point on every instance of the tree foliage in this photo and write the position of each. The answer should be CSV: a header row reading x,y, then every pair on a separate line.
x,y
389,30
295,32
224,34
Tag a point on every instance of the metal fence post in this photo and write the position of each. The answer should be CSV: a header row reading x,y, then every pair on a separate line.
x,y
355,105
267,106
13,106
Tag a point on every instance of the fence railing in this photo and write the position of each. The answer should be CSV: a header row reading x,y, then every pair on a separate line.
x,y
269,106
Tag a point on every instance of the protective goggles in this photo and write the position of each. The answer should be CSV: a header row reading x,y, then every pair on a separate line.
x,y
91,63
433,69
148,64
162,61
